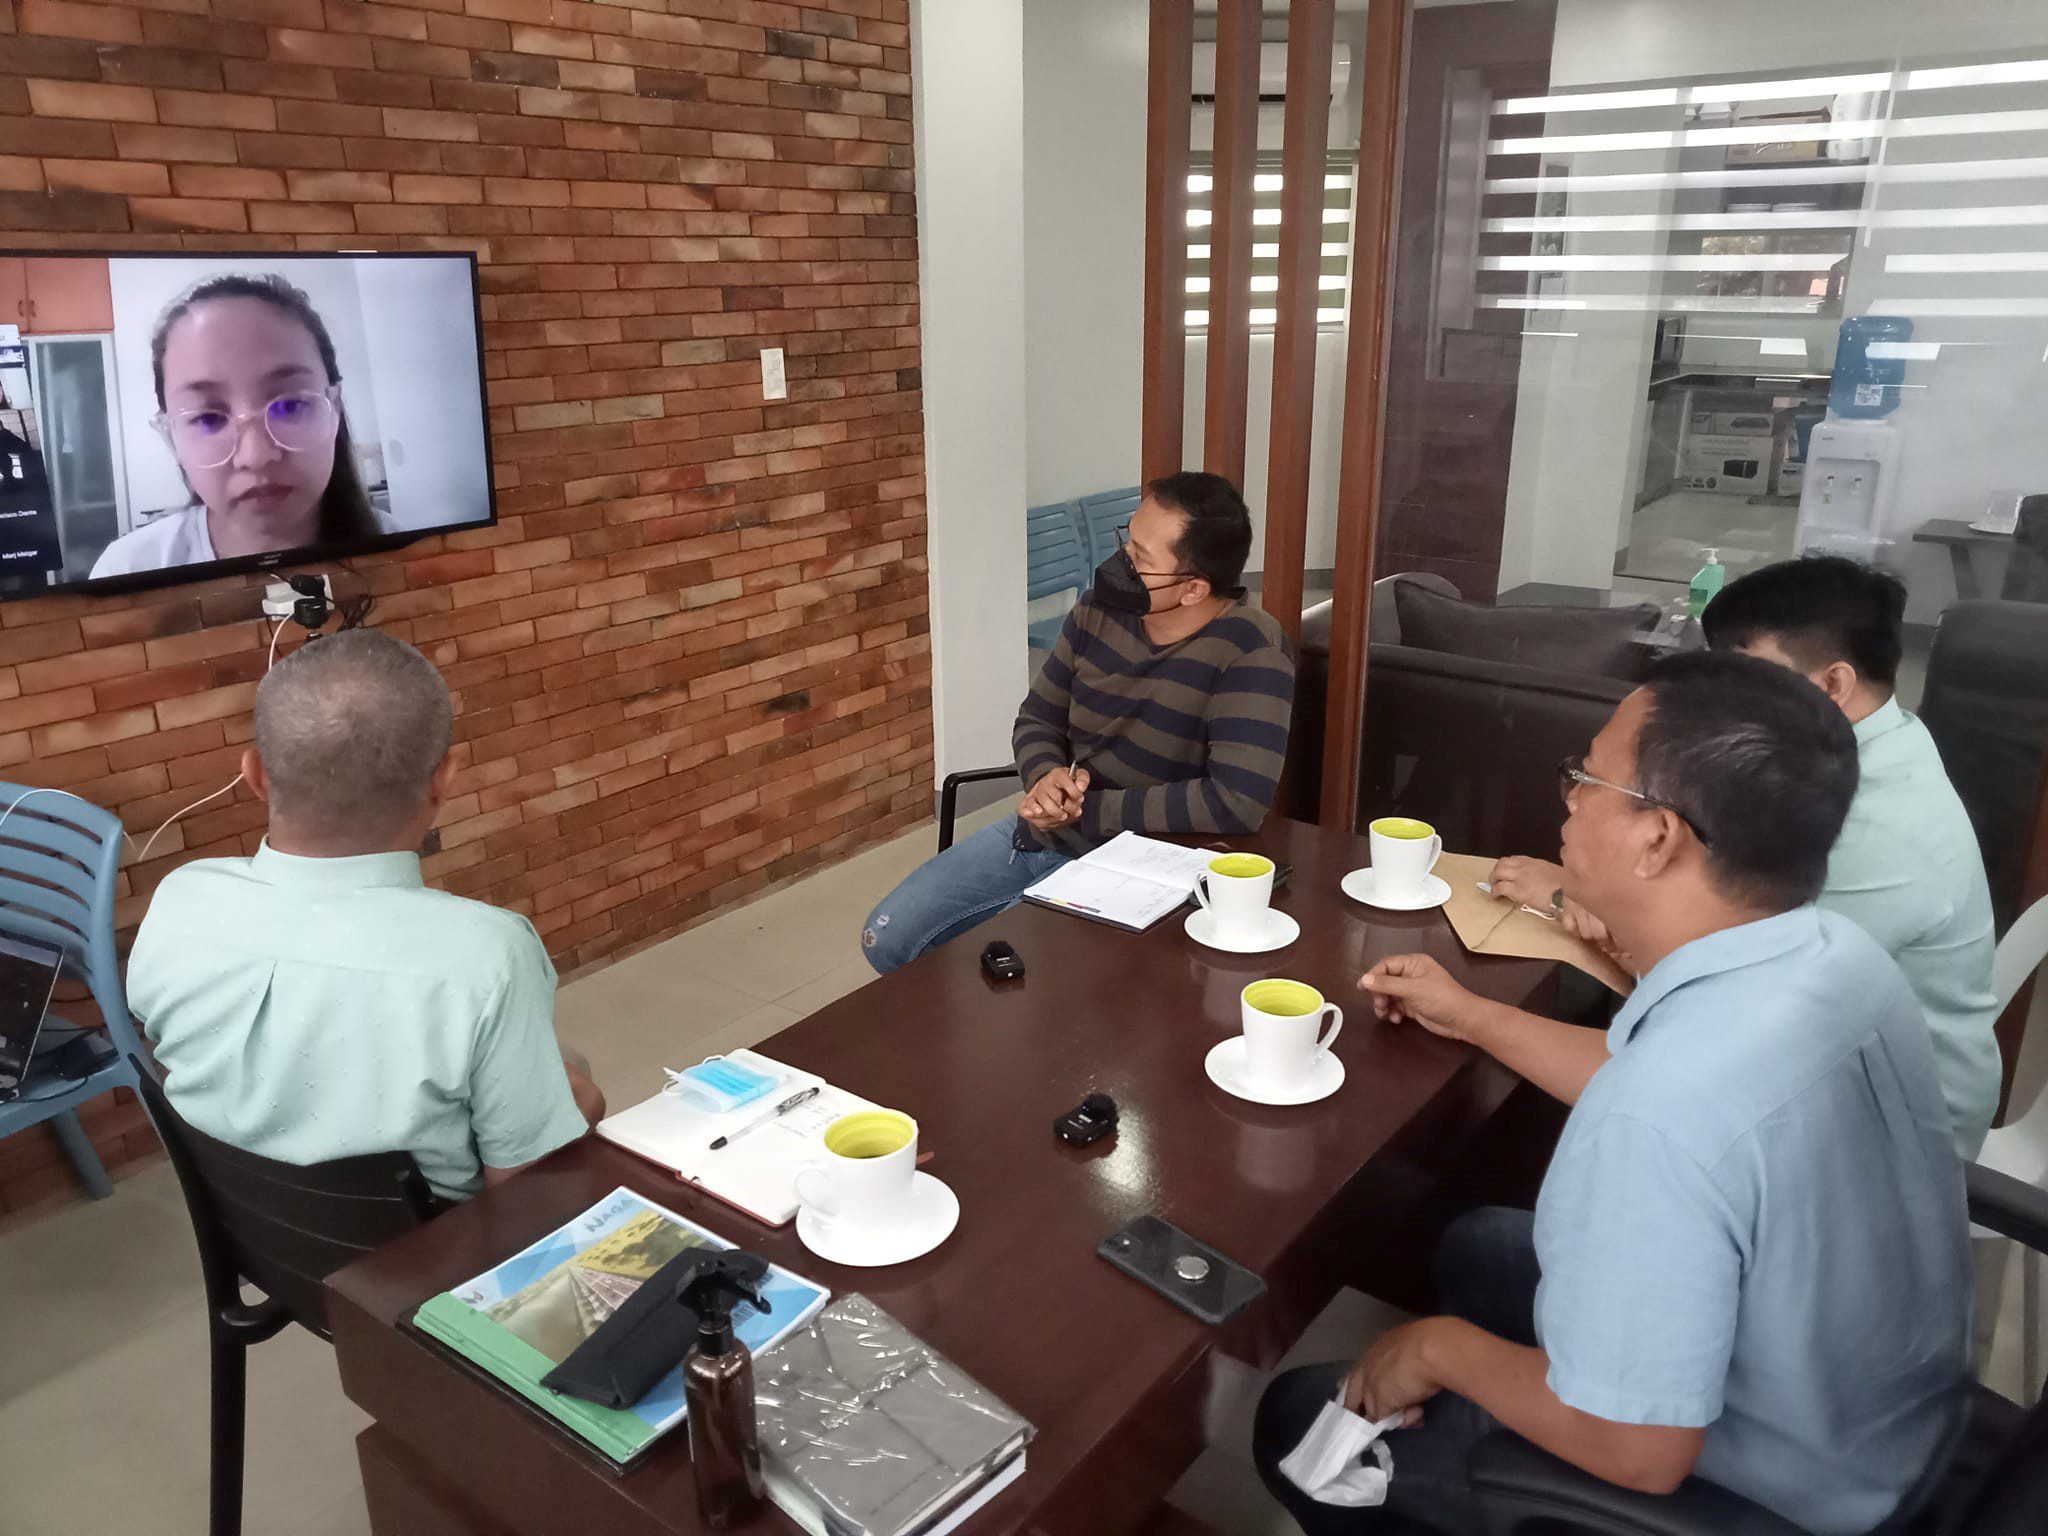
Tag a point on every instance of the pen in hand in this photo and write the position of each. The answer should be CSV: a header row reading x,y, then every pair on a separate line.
x,y
792,1102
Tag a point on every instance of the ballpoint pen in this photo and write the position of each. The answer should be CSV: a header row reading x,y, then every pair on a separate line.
x,y
774,1114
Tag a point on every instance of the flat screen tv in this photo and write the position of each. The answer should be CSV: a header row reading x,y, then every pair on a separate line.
x,y
171,416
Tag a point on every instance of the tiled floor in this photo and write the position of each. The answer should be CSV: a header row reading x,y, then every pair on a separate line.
x,y
103,1346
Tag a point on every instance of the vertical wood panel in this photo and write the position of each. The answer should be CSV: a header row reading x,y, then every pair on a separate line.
x,y
1230,239
1169,84
1305,150
1365,371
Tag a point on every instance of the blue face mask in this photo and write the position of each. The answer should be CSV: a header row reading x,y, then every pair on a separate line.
x,y
718,1084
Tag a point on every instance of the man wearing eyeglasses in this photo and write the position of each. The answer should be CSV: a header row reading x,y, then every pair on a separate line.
x,y
1907,866
1748,1260
1163,709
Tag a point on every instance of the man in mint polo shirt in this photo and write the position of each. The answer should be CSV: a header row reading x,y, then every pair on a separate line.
x,y
318,1000
1908,867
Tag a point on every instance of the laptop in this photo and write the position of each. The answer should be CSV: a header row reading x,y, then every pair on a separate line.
x,y
28,980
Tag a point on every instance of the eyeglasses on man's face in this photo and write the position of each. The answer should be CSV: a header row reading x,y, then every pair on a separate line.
x,y
298,422
1124,548
1572,774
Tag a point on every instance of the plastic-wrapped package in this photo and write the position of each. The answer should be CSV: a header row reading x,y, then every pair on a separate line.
x,y
868,1431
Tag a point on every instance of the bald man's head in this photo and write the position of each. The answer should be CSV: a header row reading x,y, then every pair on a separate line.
x,y
351,731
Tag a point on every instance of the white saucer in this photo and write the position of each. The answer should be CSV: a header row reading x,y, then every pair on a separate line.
x,y
1225,1066
1358,886
1281,931
935,1211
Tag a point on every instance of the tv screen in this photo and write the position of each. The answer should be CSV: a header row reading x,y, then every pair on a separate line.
x,y
170,416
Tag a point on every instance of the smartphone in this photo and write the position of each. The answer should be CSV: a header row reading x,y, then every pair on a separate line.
x,y
1190,1274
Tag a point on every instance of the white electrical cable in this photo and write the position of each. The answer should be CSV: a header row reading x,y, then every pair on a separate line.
x,y
143,856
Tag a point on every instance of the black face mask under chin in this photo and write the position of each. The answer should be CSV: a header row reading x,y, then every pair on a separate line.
x,y
1120,588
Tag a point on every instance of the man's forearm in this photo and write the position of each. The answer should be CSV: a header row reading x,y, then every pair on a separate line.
x,y
1558,1058
1511,1382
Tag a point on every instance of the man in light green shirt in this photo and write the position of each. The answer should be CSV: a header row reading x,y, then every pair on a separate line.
x,y
317,1000
1907,867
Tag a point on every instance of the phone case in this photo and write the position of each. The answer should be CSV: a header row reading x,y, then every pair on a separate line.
x,y
1165,1258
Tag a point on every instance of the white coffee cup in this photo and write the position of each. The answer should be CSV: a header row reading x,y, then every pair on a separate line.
x,y
1283,1031
866,1176
1237,890
1404,851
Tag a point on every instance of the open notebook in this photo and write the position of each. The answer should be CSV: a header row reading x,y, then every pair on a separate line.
x,y
1129,882
755,1174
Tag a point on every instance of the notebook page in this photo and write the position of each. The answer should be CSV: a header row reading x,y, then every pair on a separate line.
x,y
1169,863
1132,901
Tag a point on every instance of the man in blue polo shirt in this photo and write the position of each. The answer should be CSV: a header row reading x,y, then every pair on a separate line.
x,y
1748,1261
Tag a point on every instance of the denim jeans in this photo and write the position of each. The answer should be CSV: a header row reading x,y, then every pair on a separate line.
x,y
945,896
1486,1273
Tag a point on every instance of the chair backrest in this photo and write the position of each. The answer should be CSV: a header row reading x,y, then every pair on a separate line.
x,y
1102,514
2020,953
59,857
1055,559
2012,1493
1986,705
2026,569
284,1227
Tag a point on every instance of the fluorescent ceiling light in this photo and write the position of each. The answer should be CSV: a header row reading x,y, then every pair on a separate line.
x,y
1944,125
1200,183
1639,303
1590,101
2027,309
1780,346
1776,262
1786,90
1970,261
1849,218
1566,335
2012,72
1904,351
1653,181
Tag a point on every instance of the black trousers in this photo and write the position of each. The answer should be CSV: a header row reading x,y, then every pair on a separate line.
x,y
1486,1273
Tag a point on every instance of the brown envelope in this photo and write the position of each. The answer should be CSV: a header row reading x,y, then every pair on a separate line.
x,y
1493,925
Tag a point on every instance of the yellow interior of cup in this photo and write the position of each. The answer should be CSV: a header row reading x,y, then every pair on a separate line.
x,y
871,1133
1283,999
1403,826
1241,866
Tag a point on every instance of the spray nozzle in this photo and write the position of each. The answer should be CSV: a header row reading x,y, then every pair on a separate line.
x,y
715,1284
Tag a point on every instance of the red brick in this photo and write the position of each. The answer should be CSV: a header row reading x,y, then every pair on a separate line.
x,y
191,144
187,213
61,18
436,189
216,109
409,123
98,103
92,731
339,186
227,181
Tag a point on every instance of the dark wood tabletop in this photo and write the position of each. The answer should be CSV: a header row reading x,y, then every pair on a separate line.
x,y
1111,1374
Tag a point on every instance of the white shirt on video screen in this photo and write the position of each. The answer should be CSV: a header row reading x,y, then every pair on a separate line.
x,y
177,538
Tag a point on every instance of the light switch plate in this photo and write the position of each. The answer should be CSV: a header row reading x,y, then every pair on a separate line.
x,y
774,383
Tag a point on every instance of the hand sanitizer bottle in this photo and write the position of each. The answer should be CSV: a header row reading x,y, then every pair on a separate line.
x,y
1707,584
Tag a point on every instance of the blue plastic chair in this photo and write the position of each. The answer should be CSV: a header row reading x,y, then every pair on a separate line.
x,y
1055,560
58,859
1102,514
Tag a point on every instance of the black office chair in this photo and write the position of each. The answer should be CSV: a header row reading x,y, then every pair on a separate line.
x,y
283,1229
949,796
1992,1481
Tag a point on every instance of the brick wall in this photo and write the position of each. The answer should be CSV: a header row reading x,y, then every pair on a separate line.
x,y
692,658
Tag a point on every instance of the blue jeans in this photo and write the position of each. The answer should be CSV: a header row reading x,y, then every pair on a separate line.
x,y
945,896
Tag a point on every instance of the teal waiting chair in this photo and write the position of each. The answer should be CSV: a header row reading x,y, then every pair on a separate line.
x,y
1104,513
58,859
1055,561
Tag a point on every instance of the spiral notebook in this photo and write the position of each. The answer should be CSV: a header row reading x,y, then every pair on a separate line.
x,y
755,1174
1129,882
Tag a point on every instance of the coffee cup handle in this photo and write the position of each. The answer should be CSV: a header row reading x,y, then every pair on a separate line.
x,y
1436,850
1202,889
823,1207
1336,1018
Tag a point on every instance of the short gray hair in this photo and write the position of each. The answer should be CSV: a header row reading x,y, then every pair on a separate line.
x,y
351,729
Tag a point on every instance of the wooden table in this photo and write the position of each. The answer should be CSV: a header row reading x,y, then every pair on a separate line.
x,y
1113,1376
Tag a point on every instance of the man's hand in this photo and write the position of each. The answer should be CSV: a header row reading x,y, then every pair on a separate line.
x,y
1532,882
1416,987
1393,1376
1055,800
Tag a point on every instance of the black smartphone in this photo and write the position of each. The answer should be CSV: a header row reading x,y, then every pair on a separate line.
x,y
1190,1274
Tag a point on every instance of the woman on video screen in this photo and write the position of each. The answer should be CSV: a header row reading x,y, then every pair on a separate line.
x,y
248,397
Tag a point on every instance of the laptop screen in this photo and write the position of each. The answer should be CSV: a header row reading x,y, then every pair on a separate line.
x,y
28,975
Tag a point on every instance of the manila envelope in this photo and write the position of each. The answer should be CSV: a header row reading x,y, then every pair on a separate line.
x,y
1493,925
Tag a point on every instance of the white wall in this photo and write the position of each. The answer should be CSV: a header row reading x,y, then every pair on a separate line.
x,y
1974,428
967,85
1084,245
422,343
141,290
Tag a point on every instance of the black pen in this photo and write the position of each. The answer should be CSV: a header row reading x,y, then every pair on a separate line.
x,y
774,1114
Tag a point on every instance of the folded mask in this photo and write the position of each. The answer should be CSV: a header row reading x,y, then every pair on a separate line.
x,y
1330,1464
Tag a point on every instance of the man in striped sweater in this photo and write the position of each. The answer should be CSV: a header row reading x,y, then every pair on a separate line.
x,y
1163,709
